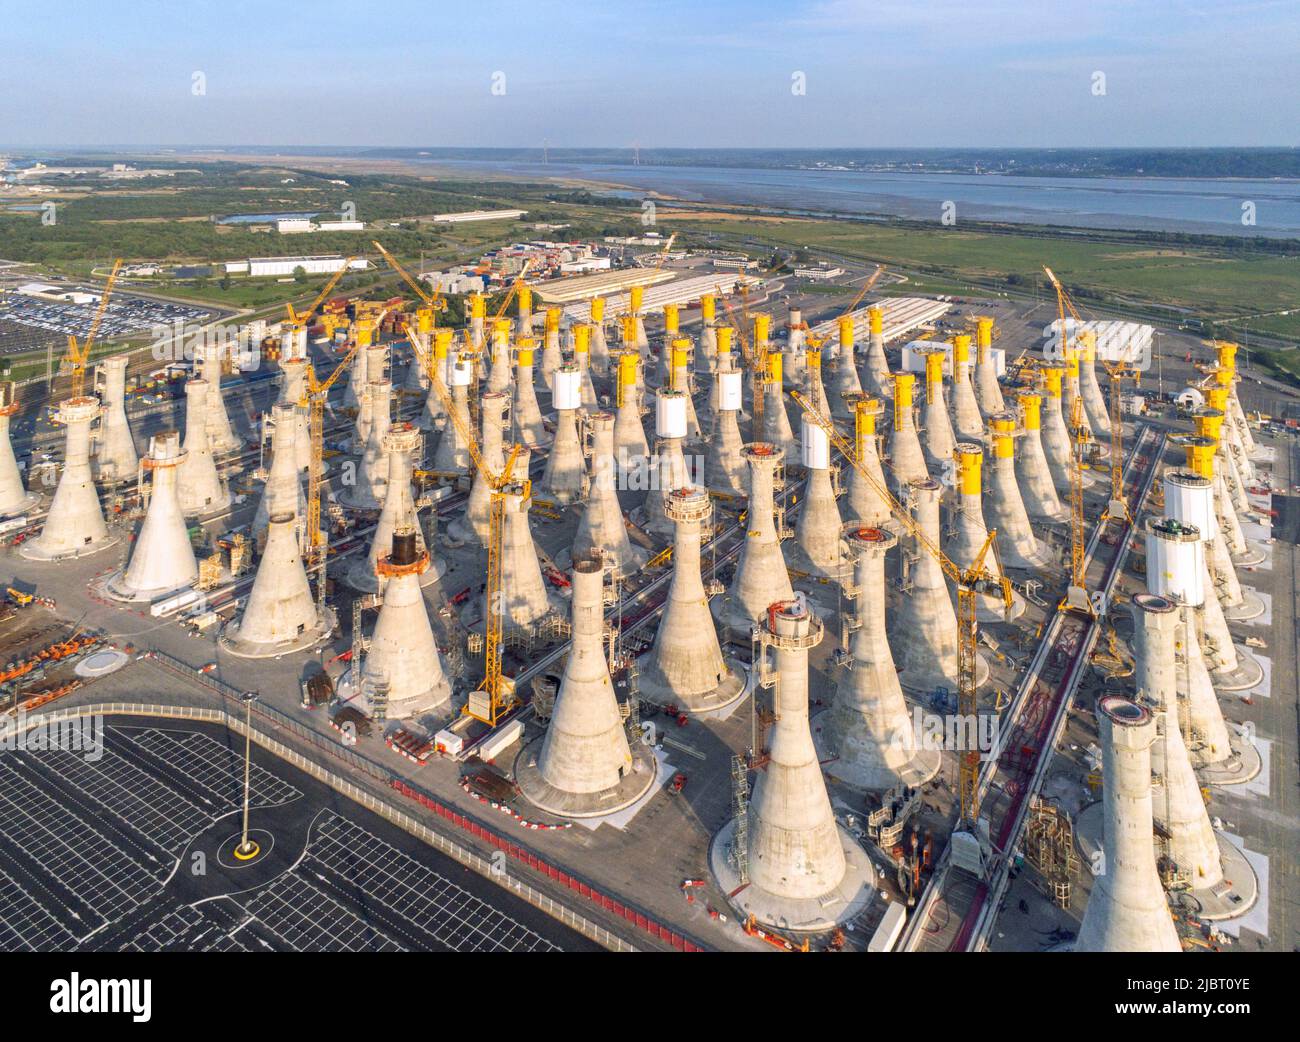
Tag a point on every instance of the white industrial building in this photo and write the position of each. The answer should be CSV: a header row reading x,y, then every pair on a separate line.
x,y
899,316
1117,341
465,216
454,281
679,291
819,272
256,267
301,225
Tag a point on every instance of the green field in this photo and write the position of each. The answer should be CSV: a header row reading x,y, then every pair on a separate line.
x,y
1200,281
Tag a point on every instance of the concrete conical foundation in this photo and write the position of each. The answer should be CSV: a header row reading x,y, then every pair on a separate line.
x,y
804,872
403,656
987,391
368,490
685,666
968,422
867,730
585,766
776,428
1033,475
1177,805
879,380
724,466
74,527
116,459
600,354
818,547
162,559
498,378
14,497
526,415
761,577
631,449
398,515
923,633
1003,507
601,528
813,387
669,473
293,391
864,503
1094,402
939,440
473,524
452,455
1058,446
564,478
525,601
845,382
354,391
968,531
552,356
200,489
1127,910
906,460
280,616
207,366
283,492
433,416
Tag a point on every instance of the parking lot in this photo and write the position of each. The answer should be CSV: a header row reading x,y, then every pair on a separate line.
x,y
30,323
131,849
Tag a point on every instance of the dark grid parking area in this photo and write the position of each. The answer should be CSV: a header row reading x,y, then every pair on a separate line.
x,y
415,896
120,848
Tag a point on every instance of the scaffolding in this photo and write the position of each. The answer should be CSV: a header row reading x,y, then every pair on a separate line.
x,y
739,855
1049,847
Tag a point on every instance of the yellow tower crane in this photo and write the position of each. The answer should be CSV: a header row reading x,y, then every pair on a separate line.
x,y
436,301
1076,594
970,582
316,392
495,697
79,351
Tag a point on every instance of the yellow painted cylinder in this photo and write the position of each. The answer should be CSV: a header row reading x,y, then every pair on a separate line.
x,y
960,351
477,305
1227,354
1216,397
628,324
876,320
365,332
1208,423
933,376
983,334
1224,377
501,328
865,411
1200,456
846,331
681,352
424,320
1003,429
525,352
775,369
525,299
1072,364
636,297
598,309
1031,408
762,327
627,369
441,343
552,320
724,335
902,398
582,339
970,467
672,319
708,307
1088,345
813,356
1053,377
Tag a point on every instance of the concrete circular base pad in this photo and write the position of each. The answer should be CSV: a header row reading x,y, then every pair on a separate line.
x,y
1233,897
797,915
732,688
101,663
1255,554
25,504
1243,765
115,586
1248,673
920,767
433,700
310,638
798,561
33,552
544,796
1251,607
990,609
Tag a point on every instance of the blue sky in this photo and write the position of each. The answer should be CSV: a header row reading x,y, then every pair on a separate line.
x,y
668,73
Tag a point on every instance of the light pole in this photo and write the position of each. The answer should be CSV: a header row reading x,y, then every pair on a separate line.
x,y
247,849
